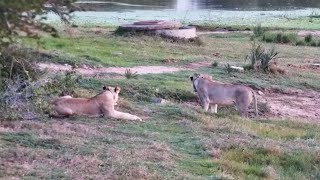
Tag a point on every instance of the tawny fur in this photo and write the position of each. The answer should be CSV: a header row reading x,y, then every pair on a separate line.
x,y
97,106
275,69
211,94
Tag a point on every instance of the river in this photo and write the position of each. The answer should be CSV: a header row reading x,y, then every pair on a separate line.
x,y
222,12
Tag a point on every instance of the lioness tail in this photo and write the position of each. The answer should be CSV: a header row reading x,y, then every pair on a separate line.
x,y
255,103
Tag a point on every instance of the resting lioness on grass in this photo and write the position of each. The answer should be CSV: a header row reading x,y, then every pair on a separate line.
x,y
97,106
214,93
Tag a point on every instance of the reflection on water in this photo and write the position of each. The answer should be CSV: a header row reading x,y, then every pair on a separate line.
x,y
275,13
185,5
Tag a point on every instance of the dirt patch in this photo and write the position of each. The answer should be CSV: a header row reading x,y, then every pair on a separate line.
x,y
294,103
196,65
100,72
306,66
305,33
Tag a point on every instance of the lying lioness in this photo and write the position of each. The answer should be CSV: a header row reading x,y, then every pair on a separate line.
x,y
214,93
97,106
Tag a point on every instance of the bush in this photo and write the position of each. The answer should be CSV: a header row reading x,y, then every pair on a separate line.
x,y
258,30
313,43
300,43
255,55
260,57
16,61
215,64
268,37
319,43
129,74
279,37
308,38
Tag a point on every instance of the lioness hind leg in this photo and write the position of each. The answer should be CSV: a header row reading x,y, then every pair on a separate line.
x,y
120,115
214,108
243,110
62,112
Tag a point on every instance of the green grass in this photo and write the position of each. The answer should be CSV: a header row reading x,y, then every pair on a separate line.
x,y
176,140
251,163
30,141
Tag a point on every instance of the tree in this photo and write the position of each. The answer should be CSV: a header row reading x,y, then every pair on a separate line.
x,y
23,16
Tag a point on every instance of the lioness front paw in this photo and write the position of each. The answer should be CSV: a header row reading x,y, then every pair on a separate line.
x,y
138,118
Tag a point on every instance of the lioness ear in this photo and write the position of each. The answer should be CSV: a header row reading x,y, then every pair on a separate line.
x,y
191,78
117,89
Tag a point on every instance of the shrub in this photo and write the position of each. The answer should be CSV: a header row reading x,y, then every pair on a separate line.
x,y
260,57
268,37
258,30
279,37
319,43
15,61
215,64
129,74
228,68
308,38
313,43
255,55
267,57
300,43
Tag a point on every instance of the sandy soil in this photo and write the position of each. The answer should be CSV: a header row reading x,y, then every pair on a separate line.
x,y
294,103
87,71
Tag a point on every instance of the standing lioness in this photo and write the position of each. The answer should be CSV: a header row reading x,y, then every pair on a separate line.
x,y
214,93
101,104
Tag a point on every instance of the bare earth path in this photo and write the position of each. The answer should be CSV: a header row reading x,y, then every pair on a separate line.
x,y
297,104
87,71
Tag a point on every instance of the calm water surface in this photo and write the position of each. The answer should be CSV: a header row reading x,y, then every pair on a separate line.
x,y
183,5
224,12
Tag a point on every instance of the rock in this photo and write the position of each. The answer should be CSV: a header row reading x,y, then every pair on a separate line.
x,y
159,101
236,68
316,65
260,93
117,53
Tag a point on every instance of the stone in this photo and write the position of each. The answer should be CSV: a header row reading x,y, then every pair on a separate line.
x,y
159,101
236,68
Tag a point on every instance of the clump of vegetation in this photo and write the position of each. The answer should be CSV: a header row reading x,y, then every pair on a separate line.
x,y
313,43
258,30
260,57
16,61
267,56
215,64
308,38
60,86
131,75
300,43
284,38
228,68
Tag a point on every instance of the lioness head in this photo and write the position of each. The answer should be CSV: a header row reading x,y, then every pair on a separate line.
x,y
115,91
197,76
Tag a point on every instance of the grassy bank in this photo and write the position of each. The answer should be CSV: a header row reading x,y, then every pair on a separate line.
x,y
176,140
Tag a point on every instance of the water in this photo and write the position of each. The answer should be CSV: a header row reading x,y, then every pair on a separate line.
x,y
280,13
185,5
